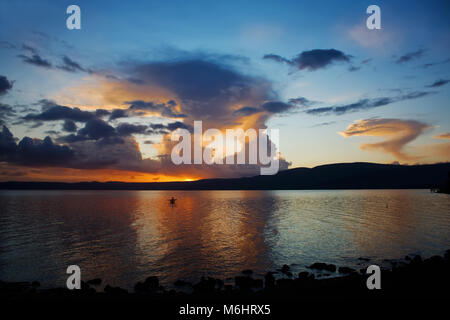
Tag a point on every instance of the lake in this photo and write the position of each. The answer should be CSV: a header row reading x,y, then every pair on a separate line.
x,y
125,236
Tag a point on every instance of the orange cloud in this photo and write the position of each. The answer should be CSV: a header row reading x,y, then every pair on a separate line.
x,y
397,134
445,135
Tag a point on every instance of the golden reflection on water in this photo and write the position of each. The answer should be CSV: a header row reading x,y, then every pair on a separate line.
x,y
125,236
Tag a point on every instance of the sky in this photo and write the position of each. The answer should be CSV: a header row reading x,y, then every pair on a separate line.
x,y
100,103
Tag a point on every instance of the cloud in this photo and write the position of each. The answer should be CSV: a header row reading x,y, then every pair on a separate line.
x,y
246,111
69,126
36,60
277,106
127,129
191,89
52,111
445,135
164,109
32,152
6,112
71,66
96,129
302,102
312,60
353,68
439,83
277,58
397,133
410,56
432,64
365,104
5,85
118,113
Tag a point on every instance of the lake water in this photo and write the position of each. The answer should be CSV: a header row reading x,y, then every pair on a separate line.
x,y
125,236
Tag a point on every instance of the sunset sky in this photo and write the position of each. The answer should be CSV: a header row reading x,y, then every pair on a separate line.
x,y
108,96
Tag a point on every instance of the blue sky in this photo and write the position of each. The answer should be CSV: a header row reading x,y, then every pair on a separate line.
x,y
406,62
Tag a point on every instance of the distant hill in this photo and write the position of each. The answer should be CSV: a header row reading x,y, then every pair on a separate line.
x,y
359,175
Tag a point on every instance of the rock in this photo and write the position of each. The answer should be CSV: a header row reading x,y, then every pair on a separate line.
x,y
205,285
269,280
323,266
257,283
285,283
346,270
247,272
94,282
285,268
434,260
152,282
219,283
84,286
181,283
416,260
303,275
242,282
149,285
114,290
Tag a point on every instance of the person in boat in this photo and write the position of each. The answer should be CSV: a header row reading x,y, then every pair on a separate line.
x,y
172,200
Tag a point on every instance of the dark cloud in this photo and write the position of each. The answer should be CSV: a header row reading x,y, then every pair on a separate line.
x,y
6,112
52,112
70,65
5,85
364,104
30,49
96,129
165,109
246,111
37,152
7,144
353,68
166,128
432,64
32,152
118,113
102,113
276,107
439,83
36,60
126,129
313,60
69,126
302,102
410,56
277,58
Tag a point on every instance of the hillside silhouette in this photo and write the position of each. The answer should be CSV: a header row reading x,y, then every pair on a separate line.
x,y
358,175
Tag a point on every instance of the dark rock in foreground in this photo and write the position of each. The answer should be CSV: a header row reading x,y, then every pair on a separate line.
x,y
413,278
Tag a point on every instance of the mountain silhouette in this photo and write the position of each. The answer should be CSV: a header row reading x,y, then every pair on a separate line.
x,y
358,175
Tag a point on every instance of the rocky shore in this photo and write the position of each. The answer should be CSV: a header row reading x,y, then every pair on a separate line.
x,y
412,277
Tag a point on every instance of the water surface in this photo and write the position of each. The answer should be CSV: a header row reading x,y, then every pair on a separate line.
x,y
125,236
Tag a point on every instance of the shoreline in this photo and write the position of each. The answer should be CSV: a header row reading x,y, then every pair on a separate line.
x,y
410,278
